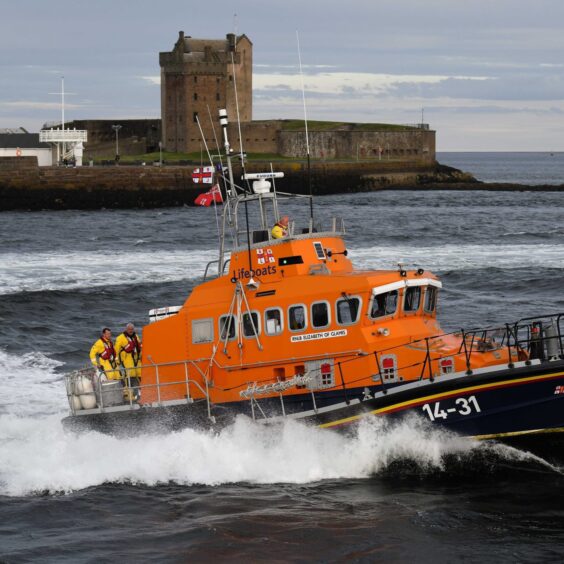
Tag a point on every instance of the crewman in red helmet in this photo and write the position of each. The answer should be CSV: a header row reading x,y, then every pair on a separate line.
x,y
280,229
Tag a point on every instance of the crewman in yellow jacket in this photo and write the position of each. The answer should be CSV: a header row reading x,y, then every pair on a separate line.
x,y
280,229
103,355
128,353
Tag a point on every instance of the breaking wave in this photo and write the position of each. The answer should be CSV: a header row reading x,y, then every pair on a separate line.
x,y
42,271
38,456
76,270
461,257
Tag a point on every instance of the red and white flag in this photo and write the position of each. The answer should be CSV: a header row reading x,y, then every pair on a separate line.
x,y
207,198
203,175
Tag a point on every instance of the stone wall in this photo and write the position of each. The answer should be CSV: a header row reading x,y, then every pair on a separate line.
x,y
136,136
404,145
26,186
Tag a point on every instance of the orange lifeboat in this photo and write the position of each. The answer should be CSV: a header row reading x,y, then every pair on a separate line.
x,y
287,328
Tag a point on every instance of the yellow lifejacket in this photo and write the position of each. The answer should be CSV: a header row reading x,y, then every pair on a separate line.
x,y
103,355
128,352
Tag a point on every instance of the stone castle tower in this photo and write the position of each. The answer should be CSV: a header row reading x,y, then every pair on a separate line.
x,y
197,74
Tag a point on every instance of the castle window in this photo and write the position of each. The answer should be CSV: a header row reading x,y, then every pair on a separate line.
x,y
195,95
230,78
195,117
195,79
217,96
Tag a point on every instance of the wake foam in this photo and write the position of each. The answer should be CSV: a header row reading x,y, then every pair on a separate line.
x,y
37,456
29,385
67,271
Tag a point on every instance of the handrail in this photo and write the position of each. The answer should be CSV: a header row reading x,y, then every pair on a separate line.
x,y
541,345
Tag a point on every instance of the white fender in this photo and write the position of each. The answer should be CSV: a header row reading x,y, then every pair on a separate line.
x,y
85,391
84,386
75,403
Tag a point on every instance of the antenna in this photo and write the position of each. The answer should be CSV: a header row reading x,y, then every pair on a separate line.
x,y
213,185
306,134
204,139
241,154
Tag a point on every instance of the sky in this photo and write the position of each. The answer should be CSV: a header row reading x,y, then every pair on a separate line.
x,y
487,75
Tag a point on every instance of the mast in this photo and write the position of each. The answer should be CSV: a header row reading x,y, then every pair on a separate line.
x,y
63,115
306,136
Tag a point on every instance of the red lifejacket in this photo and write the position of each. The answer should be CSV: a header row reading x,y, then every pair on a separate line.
x,y
133,344
109,351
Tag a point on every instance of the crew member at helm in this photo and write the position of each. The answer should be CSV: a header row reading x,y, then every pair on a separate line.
x,y
103,355
280,229
128,351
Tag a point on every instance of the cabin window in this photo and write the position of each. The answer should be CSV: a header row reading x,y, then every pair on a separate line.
x,y
202,331
348,310
320,315
251,324
412,298
297,318
430,299
273,321
384,304
227,327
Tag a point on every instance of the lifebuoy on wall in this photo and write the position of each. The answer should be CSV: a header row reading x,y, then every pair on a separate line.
x,y
18,152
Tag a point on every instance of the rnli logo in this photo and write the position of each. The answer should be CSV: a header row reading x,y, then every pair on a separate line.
x,y
265,256
317,336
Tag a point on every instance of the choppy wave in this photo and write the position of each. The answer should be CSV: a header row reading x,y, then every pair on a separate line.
x,y
74,270
34,272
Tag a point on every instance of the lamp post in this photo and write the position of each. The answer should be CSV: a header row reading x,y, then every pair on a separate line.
x,y
116,128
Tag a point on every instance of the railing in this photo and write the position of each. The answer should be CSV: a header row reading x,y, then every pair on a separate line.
x,y
63,135
535,338
90,389
544,344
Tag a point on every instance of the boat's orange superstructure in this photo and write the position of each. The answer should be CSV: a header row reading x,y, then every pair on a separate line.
x,y
296,306
288,328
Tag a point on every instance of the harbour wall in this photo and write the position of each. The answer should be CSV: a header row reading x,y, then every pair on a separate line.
x,y
25,186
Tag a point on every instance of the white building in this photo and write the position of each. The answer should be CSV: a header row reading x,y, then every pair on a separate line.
x,y
22,144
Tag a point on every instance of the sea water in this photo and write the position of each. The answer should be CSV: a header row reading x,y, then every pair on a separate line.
x,y
394,492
